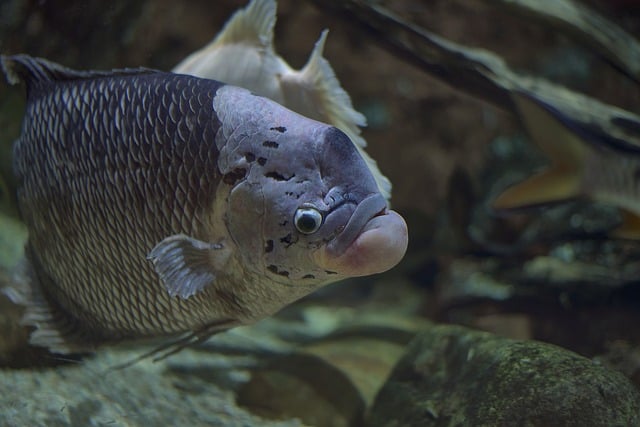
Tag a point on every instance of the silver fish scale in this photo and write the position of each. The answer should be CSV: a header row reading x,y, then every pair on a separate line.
x,y
107,168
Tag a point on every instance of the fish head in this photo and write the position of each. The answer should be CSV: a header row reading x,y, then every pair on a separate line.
x,y
307,210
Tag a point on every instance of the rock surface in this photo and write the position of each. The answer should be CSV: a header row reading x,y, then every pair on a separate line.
x,y
456,376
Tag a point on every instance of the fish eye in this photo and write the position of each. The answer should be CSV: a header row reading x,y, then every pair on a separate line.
x,y
307,220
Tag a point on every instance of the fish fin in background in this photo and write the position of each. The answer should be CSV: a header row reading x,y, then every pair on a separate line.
x,y
19,68
564,149
244,41
186,265
243,54
315,92
630,227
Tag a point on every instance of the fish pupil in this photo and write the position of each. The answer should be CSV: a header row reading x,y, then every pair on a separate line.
x,y
308,220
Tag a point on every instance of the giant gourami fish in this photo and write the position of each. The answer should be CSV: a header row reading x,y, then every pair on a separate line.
x,y
159,204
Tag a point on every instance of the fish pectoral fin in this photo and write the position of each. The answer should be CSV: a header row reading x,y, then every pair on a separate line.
x,y
187,265
551,185
630,227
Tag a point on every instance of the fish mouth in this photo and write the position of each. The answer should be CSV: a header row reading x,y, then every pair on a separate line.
x,y
373,240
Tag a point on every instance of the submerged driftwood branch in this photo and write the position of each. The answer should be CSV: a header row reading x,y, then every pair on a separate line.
x,y
584,25
485,75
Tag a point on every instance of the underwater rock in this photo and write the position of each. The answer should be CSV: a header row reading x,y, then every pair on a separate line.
x,y
329,382
451,375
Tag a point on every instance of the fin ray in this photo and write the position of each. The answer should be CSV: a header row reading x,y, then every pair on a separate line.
x,y
172,347
28,69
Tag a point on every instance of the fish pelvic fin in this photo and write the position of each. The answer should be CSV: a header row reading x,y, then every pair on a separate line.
x,y
28,69
187,265
174,346
315,92
565,150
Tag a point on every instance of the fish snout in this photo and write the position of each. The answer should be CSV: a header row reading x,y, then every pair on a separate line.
x,y
374,240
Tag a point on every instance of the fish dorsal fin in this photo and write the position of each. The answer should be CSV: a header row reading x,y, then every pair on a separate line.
x,y
28,69
314,91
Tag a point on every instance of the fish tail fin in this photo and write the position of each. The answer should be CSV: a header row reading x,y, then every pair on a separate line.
x,y
565,150
316,84
52,329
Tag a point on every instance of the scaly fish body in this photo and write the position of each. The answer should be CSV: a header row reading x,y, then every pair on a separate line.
x,y
159,203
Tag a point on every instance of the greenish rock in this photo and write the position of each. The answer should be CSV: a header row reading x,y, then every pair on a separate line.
x,y
195,387
452,376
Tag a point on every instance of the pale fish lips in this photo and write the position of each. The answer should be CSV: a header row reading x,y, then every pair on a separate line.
x,y
374,240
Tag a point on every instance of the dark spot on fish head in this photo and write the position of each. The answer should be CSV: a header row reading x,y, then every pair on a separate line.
x,y
275,270
262,161
278,176
268,247
289,240
231,178
280,129
270,144
308,276
249,157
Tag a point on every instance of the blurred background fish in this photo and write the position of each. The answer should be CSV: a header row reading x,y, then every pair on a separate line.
x,y
585,161
243,54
